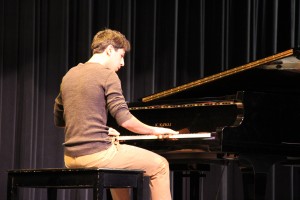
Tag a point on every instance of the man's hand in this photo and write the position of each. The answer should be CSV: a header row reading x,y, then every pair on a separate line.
x,y
113,132
162,130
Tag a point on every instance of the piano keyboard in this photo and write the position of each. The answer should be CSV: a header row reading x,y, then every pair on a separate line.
x,y
166,136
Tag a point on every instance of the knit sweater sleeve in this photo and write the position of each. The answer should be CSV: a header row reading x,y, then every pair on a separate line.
x,y
59,112
116,103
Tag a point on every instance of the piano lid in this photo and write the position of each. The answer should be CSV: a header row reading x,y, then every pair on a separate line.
x,y
276,73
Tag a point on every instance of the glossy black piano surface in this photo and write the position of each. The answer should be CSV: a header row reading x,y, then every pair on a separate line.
x,y
199,116
250,109
278,73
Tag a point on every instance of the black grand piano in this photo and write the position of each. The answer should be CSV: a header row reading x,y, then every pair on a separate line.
x,y
249,114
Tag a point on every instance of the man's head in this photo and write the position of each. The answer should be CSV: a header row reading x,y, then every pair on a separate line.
x,y
109,37
109,48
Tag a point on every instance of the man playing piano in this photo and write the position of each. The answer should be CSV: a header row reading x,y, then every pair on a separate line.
x,y
87,93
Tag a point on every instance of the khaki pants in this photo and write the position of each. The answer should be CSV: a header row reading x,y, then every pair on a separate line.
x,y
129,157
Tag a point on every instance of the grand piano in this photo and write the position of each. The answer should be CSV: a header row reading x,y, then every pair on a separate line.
x,y
248,114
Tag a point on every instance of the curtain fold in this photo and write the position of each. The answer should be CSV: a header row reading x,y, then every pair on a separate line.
x,y
173,42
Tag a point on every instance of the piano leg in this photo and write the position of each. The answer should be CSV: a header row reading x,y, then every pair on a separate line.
x,y
254,186
193,178
195,184
255,172
177,185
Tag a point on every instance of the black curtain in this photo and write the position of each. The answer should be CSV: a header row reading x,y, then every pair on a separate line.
x,y
173,42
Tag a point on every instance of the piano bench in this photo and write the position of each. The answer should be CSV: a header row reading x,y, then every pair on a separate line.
x,y
53,179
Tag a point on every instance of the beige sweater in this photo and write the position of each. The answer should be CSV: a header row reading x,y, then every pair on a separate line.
x,y
88,91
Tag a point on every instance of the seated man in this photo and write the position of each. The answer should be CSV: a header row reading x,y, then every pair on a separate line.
x,y
88,92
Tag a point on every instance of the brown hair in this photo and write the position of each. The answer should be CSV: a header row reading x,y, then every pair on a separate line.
x,y
109,37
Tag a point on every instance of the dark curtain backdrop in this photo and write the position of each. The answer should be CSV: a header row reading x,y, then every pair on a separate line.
x,y
173,42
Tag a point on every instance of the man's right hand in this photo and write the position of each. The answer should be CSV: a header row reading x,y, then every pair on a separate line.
x,y
162,130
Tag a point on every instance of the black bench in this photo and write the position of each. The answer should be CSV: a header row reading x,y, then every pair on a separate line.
x,y
53,179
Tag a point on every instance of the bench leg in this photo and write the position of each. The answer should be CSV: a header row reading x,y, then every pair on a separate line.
x,y
51,194
13,194
138,191
12,191
98,193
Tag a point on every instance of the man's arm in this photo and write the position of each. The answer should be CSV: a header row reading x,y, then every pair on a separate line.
x,y
136,126
59,112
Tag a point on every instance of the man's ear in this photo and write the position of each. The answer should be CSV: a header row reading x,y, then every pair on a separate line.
x,y
109,49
